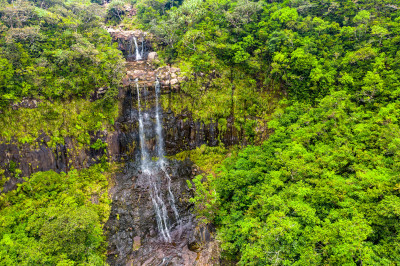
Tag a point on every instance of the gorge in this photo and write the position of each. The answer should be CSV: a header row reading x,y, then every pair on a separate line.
x,y
199,132
151,221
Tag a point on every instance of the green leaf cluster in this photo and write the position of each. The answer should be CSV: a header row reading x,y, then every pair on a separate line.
x,y
322,190
239,55
55,219
55,50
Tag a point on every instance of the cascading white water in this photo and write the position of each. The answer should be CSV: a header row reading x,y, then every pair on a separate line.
x,y
148,170
145,155
161,155
138,55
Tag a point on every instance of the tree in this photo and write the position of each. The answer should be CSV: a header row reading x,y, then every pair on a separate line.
x,y
116,8
380,32
17,14
75,233
244,12
362,20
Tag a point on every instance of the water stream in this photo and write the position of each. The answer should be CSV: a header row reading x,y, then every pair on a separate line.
x,y
151,220
151,169
138,54
161,154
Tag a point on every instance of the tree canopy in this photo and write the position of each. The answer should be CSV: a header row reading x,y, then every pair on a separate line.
x,y
55,219
55,50
323,189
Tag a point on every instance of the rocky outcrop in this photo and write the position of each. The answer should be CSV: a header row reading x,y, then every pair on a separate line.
x,y
126,42
26,103
152,57
181,131
30,159
120,34
169,77
132,227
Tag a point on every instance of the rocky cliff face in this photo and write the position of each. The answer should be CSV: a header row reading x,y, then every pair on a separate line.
x,y
126,42
44,158
132,227
181,131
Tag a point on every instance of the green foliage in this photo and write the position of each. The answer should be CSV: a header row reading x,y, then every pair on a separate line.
x,y
54,50
306,49
99,144
205,157
58,120
322,190
205,198
55,219
208,160
116,10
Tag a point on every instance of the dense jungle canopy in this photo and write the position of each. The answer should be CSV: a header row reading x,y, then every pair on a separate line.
x,y
322,78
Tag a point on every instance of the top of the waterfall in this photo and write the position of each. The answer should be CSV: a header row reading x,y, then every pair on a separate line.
x,y
127,34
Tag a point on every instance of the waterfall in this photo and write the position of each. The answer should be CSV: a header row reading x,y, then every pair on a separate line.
x,y
144,153
148,170
161,155
138,55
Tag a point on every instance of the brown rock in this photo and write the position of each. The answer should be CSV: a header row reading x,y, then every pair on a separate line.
x,y
174,82
152,56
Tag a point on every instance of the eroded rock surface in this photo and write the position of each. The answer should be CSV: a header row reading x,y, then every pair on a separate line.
x,y
126,42
132,228
41,157
181,131
169,77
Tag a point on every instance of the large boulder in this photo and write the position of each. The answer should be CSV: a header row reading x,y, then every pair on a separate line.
x,y
152,56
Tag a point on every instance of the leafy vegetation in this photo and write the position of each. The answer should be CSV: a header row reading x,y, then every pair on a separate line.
x,y
55,50
55,219
324,188
75,118
241,56
308,49
54,55
207,159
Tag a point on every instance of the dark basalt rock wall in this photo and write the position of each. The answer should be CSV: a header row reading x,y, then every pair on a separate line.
x,y
30,159
132,227
127,45
181,133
